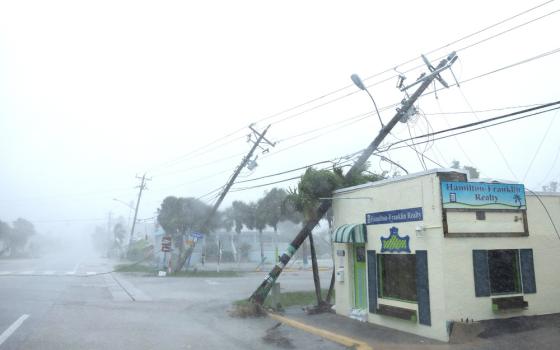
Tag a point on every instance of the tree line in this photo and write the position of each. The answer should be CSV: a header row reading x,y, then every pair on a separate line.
x,y
14,238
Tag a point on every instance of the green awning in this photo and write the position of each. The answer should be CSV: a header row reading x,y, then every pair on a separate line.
x,y
350,233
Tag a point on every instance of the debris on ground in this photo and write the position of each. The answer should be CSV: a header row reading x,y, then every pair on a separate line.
x,y
274,336
318,309
247,309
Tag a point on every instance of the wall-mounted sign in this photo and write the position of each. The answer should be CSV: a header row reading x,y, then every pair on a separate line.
x,y
395,243
481,195
394,216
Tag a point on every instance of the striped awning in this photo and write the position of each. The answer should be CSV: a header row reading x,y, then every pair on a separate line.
x,y
350,233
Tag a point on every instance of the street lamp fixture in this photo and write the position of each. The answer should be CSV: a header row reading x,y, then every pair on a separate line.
x,y
360,84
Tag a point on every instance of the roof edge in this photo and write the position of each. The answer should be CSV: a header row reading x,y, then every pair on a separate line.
x,y
401,178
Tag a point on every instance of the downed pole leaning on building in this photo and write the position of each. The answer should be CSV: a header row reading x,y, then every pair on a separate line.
x,y
259,295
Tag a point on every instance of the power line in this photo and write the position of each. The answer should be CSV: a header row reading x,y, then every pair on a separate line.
x,y
432,92
263,185
475,124
393,68
483,110
551,166
527,60
181,158
489,134
203,165
199,149
456,140
540,145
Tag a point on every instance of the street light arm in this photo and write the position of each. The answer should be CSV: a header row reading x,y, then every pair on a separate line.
x,y
375,105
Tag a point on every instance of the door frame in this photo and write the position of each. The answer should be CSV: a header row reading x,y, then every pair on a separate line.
x,y
359,298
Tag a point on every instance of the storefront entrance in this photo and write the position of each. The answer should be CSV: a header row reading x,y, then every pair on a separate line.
x,y
360,292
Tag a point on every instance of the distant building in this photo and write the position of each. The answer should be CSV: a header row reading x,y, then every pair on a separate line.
x,y
419,252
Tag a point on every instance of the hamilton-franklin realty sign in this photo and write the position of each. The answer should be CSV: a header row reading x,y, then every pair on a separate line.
x,y
393,216
481,195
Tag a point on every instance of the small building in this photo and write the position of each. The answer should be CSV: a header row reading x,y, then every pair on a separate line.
x,y
420,252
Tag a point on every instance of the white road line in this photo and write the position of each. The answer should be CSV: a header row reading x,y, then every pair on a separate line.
x,y
49,272
5,272
12,328
27,272
212,283
89,273
70,273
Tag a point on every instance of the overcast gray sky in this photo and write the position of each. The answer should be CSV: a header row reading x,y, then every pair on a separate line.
x,y
94,93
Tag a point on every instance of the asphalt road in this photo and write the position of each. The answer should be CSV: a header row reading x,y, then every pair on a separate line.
x,y
70,303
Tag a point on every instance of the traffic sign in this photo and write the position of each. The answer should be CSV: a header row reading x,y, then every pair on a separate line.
x,y
197,235
166,244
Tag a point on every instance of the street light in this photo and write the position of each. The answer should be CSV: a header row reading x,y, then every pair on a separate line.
x,y
360,84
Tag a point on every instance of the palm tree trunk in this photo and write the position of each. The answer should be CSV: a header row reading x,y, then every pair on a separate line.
x,y
262,247
331,289
315,268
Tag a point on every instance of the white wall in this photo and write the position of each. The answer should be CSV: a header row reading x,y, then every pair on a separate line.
x,y
459,282
410,193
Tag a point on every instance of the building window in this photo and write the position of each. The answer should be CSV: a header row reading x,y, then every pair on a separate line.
x,y
397,276
480,215
503,268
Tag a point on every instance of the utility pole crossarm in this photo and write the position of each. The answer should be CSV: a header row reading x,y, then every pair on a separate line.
x,y
259,295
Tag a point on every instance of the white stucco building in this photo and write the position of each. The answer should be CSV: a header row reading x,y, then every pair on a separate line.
x,y
419,252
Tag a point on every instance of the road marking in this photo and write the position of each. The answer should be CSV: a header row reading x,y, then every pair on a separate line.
x,y
212,283
49,272
337,338
5,272
12,328
27,272
89,273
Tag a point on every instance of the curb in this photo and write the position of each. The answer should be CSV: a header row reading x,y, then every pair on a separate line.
x,y
334,337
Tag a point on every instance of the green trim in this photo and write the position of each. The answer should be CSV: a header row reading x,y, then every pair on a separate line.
x,y
350,233
360,279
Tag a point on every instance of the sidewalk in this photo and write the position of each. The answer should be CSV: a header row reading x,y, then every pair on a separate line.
x,y
376,337
537,332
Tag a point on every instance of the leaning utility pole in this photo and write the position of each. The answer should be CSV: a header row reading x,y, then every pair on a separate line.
x,y
142,187
259,295
244,161
206,226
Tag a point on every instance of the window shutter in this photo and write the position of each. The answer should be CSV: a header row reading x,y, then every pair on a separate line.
x,y
372,280
481,274
527,271
423,288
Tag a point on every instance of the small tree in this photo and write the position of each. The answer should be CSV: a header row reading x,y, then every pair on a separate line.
x,y
5,235
473,172
179,216
551,187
